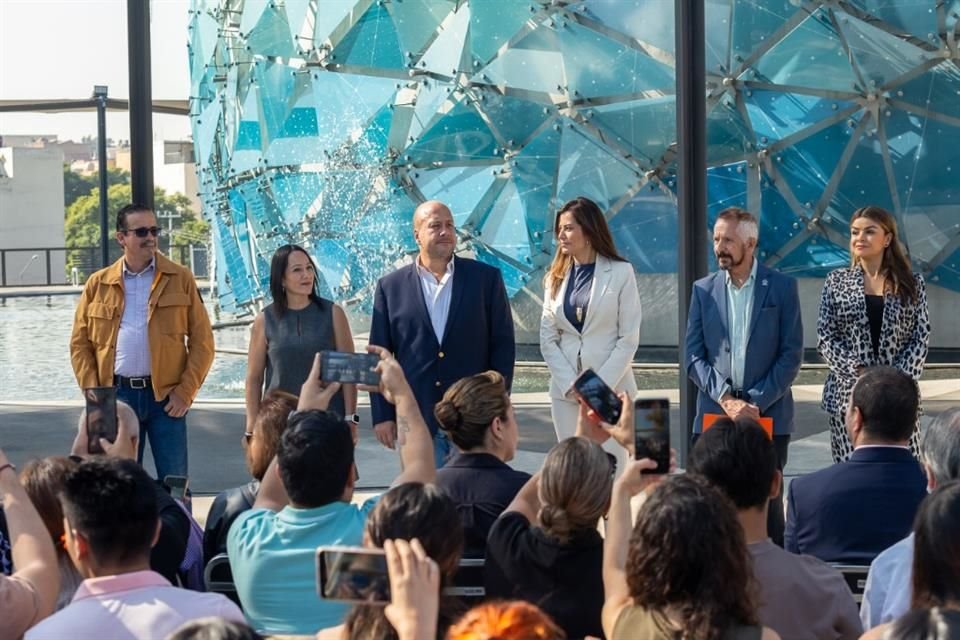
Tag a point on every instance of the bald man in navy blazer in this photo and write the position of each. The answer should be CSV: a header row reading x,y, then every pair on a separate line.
x,y
444,318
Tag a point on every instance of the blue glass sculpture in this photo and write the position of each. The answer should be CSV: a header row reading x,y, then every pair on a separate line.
x,y
324,123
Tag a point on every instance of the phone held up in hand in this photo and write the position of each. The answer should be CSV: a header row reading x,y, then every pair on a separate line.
x,y
349,368
598,395
101,405
177,486
651,432
353,574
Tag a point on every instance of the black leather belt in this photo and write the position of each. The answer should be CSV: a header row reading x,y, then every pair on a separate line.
x,y
132,383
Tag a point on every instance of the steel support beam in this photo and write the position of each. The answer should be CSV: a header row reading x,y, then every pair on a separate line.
x,y
691,189
100,96
141,101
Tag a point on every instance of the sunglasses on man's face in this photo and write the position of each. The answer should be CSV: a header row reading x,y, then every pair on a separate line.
x,y
143,232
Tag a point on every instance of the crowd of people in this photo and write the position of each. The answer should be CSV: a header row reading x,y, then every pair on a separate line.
x,y
595,544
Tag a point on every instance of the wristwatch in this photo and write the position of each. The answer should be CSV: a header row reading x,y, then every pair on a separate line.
x,y
354,418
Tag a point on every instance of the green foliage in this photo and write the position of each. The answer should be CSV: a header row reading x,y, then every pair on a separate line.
x,y
76,185
82,227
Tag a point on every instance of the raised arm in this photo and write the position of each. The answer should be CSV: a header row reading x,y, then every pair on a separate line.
x,y
628,329
33,555
256,366
784,371
503,348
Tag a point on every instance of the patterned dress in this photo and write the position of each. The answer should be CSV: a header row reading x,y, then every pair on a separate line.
x,y
843,339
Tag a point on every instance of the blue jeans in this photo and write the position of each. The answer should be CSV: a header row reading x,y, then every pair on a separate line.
x,y
442,449
168,436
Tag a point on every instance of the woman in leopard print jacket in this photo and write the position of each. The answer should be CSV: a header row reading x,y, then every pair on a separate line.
x,y
872,313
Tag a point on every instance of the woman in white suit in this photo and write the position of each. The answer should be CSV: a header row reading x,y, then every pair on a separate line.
x,y
591,310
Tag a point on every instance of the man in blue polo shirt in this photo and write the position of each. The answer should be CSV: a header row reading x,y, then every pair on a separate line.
x,y
305,502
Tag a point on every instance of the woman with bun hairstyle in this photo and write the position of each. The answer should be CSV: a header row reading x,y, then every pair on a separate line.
x,y
477,416
871,313
545,548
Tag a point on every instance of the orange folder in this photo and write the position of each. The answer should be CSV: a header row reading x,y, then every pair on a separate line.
x,y
766,423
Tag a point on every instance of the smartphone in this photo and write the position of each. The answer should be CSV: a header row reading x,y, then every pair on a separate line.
x,y
177,485
353,574
598,396
651,432
349,368
101,416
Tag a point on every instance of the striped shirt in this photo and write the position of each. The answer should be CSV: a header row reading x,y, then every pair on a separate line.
x,y
133,344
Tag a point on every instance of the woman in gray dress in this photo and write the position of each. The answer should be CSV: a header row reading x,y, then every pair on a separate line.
x,y
290,330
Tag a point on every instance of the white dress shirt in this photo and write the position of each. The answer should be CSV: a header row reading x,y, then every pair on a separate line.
x,y
887,593
437,295
133,343
739,308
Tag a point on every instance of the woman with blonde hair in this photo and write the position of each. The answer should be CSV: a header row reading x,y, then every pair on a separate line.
x,y
477,416
871,313
545,548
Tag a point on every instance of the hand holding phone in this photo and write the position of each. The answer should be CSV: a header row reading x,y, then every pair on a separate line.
x,y
177,486
591,388
353,574
349,368
101,410
652,433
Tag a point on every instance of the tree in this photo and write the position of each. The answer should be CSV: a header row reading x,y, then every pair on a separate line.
x,y
82,228
76,185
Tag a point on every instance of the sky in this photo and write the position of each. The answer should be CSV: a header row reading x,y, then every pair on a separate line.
x,y
62,48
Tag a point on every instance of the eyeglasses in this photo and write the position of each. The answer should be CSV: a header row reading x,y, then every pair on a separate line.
x,y
143,232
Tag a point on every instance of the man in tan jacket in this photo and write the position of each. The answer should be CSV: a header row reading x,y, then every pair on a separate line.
x,y
141,326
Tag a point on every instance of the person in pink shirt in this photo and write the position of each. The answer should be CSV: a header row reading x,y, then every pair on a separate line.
x,y
111,522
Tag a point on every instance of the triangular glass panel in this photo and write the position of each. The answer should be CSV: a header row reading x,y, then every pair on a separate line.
x,y
431,100
205,130
881,57
369,145
333,260
587,168
295,194
947,274
296,18
252,10
460,135
493,23
534,171
460,188
514,278
728,136
203,41
513,118
646,128
329,16
937,90
275,84
755,21
417,21
815,257
775,115
717,13
504,228
778,222
648,21
865,180
918,19
347,104
271,35
812,55
445,53
372,42
645,230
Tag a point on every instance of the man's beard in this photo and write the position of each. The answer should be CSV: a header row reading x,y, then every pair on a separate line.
x,y
733,263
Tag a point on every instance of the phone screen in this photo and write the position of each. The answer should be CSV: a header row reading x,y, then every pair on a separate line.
x,y
349,368
651,432
353,574
101,405
598,396
177,485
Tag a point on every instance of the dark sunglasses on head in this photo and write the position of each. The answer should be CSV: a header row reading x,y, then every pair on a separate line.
x,y
142,232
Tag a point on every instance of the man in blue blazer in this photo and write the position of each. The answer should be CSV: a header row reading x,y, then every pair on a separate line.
x,y
744,341
444,318
851,511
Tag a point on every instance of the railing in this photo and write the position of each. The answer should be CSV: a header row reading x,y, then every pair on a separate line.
x,y
73,265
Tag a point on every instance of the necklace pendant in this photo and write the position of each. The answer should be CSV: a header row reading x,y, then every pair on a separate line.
x,y
579,314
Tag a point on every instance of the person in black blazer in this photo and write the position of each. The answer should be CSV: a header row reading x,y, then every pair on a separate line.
x,y
444,318
853,510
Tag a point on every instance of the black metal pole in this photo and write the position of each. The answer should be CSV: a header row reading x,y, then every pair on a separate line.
x,y
100,95
691,187
141,101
